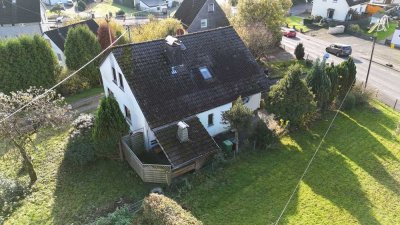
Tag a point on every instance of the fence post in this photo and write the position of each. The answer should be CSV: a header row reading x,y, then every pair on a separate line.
x,y
376,95
395,103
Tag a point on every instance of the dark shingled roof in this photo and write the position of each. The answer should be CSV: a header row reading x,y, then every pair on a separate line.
x,y
165,97
188,10
181,154
23,11
59,35
356,2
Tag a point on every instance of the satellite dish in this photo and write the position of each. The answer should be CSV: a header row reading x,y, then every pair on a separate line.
x,y
180,32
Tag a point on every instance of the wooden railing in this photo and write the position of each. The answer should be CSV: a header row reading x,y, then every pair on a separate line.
x,y
153,173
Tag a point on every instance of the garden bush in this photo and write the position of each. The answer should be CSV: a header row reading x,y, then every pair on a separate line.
x,y
299,52
121,216
80,147
81,5
349,102
362,96
160,210
262,135
355,28
10,192
73,85
120,12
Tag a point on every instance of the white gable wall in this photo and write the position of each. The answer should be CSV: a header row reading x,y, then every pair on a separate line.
x,y
125,98
57,51
217,127
320,8
158,9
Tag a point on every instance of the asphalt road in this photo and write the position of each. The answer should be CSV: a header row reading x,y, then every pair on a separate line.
x,y
382,78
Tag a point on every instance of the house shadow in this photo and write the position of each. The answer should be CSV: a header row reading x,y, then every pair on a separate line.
x,y
336,181
85,193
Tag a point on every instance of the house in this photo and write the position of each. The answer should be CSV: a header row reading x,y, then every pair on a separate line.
x,y
198,15
53,2
158,6
339,10
173,92
56,37
21,17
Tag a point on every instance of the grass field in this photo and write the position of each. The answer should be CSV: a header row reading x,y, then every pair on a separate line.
x,y
278,69
355,178
66,195
84,94
107,6
296,21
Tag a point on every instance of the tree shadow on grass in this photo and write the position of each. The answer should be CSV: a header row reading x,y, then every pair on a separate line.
x,y
83,194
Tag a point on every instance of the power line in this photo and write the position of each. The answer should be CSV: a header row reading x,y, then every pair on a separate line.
x,y
312,158
59,83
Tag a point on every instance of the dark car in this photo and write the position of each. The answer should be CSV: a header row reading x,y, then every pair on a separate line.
x,y
339,49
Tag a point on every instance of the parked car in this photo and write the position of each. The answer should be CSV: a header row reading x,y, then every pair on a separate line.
x,y
339,49
288,32
70,3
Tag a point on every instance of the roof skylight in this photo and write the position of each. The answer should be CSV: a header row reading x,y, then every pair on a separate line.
x,y
205,73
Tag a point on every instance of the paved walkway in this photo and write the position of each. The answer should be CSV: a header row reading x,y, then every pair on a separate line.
x,y
87,104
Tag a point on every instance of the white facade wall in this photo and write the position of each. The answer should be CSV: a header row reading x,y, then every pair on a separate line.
x,y
53,2
57,51
359,8
158,9
125,98
217,127
320,8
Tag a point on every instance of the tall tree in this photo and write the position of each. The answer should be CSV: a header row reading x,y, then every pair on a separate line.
x,y
106,35
299,51
270,13
27,61
333,74
291,99
320,84
47,111
343,73
348,79
238,118
81,45
109,127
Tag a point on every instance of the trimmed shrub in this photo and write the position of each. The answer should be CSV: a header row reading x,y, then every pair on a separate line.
x,y
73,85
81,5
362,96
11,192
299,52
80,147
349,102
120,12
262,136
160,210
109,127
121,216
355,28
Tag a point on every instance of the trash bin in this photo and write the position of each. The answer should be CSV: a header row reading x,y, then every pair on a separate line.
x,y
227,145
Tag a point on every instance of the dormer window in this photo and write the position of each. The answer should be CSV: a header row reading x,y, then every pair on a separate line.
x,y
211,7
203,23
205,73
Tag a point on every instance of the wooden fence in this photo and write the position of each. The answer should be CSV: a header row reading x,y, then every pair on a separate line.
x,y
153,173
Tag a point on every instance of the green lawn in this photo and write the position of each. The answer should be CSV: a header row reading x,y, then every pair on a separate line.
x,y
107,6
66,195
355,178
84,94
296,21
382,35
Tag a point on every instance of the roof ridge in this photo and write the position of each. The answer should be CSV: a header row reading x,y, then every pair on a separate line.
x,y
162,39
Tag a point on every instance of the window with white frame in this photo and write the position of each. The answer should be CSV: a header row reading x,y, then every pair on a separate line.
x,y
121,82
114,73
203,23
210,119
211,7
128,115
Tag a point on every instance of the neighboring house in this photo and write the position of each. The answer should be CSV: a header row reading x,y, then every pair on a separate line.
x,y
338,10
385,2
21,17
57,37
159,6
168,87
198,15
